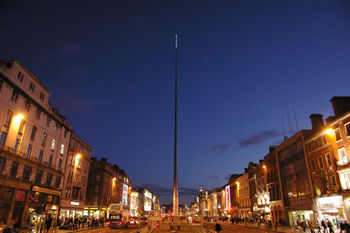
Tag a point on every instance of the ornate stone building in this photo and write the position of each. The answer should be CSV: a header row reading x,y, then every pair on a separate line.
x,y
34,139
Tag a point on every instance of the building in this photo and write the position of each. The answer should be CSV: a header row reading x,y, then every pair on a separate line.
x,y
295,179
340,142
243,196
34,139
251,170
101,188
75,180
273,187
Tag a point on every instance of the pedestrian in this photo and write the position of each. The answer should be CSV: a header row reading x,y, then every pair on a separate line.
x,y
324,225
347,227
48,223
342,229
217,227
330,226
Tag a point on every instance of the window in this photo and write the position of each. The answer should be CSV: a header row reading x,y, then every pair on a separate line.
x,y
32,87
14,168
21,127
27,106
8,118
56,127
337,134
50,159
2,163
96,189
26,173
48,179
320,162
342,156
32,135
328,159
17,144
347,127
20,76
38,176
313,165
65,132
59,163
318,189
3,138
48,120
58,182
29,151
1,82
44,139
62,149
14,96
38,113
333,182
40,157
53,144
345,181
42,96
324,139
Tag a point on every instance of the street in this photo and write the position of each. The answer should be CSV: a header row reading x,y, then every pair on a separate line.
x,y
228,227
105,230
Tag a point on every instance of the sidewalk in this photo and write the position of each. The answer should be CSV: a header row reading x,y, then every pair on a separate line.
x,y
280,229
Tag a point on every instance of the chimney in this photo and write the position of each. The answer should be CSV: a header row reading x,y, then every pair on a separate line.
x,y
316,121
341,104
103,159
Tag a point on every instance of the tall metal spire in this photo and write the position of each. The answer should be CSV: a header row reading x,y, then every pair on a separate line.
x,y
176,192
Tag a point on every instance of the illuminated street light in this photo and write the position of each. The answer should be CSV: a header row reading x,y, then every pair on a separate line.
x,y
264,166
329,131
77,157
18,118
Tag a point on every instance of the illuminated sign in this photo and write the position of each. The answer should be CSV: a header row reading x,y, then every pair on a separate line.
x,y
148,194
125,194
74,203
228,198
331,202
45,190
148,205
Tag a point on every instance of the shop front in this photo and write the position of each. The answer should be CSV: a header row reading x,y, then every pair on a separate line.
x,y
41,203
331,208
298,216
71,209
94,212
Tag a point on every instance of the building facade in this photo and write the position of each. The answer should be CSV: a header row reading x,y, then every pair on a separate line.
x,y
75,179
295,179
34,139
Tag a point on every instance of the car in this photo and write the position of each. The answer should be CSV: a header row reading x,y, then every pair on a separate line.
x,y
134,221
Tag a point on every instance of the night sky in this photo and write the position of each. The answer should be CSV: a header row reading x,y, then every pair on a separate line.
x,y
243,66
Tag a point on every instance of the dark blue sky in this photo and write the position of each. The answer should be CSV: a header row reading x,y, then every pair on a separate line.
x,y
243,65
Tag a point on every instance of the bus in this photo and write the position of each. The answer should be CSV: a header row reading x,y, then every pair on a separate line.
x,y
118,216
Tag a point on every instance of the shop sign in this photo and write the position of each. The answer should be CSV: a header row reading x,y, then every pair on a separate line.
x,y
148,194
74,203
227,198
46,190
330,202
125,194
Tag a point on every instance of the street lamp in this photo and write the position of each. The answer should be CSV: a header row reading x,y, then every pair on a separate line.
x,y
329,131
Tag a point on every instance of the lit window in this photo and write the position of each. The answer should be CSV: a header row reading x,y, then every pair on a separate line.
x,y
62,149
53,144
337,134
342,156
